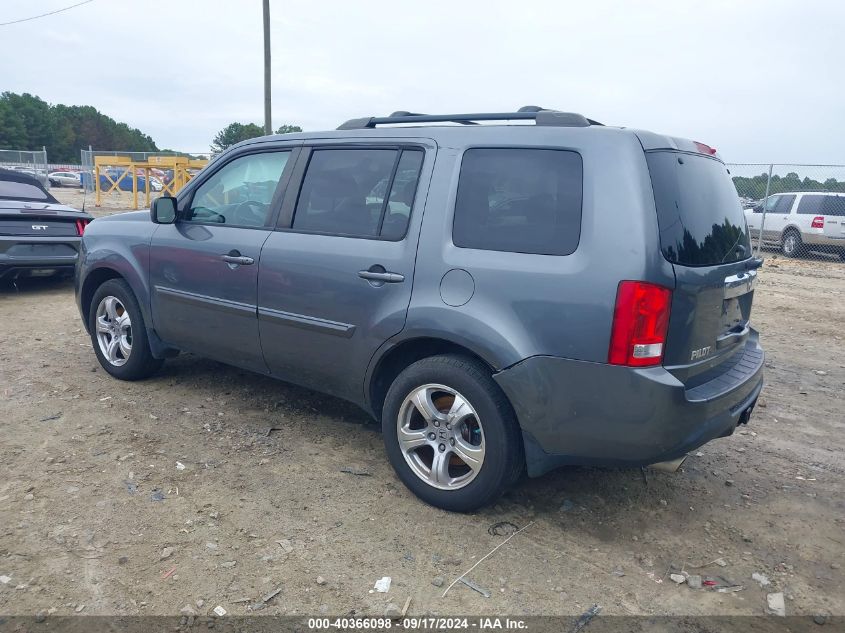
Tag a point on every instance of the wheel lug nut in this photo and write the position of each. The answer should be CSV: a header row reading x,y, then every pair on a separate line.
x,y
442,447
431,436
452,441
437,423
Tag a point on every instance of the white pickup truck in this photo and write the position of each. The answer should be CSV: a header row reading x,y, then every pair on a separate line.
x,y
801,222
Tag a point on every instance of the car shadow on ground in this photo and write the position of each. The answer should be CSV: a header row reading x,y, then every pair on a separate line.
x,y
601,497
31,285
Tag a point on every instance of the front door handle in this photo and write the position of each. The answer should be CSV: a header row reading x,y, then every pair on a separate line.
x,y
381,276
236,259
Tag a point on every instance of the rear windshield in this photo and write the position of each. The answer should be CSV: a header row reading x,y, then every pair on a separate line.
x,y
698,210
21,191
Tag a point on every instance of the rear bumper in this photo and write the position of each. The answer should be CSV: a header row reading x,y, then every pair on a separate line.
x,y
816,239
23,256
577,412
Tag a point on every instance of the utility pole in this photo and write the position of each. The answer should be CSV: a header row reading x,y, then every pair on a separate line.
x,y
268,124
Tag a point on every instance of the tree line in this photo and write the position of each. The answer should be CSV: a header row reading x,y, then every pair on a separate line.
x,y
28,122
237,132
755,187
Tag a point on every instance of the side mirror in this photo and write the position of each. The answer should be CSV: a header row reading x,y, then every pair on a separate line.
x,y
163,210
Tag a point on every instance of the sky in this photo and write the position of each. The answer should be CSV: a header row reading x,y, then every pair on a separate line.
x,y
760,80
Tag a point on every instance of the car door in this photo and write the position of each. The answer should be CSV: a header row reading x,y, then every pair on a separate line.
x,y
778,209
335,278
204,267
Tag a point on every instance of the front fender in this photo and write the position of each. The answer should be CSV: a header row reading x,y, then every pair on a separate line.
x,y
115,248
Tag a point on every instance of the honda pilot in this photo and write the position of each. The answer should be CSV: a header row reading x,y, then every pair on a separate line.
x,y
502,291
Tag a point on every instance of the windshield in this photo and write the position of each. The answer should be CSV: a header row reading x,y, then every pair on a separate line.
x,y
698,210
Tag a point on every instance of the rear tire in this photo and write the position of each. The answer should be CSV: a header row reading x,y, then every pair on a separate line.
x,y
467,449
791,244
118,332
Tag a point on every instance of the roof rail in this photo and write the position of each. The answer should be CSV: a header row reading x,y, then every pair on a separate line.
x,y
539,115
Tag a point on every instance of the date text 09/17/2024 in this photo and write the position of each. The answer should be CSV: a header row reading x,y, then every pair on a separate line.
x,y
419,623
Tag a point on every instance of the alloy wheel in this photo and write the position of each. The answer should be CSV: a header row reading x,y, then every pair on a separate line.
x,y
114,330
441,437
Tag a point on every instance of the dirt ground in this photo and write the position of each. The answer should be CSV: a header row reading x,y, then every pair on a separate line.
x,y
145,498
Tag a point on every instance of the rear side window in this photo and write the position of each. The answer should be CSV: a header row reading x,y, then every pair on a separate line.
x,y
822,205
359,192
700,217
519,200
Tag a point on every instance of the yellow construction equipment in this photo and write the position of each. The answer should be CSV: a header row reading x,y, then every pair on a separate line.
x,y
183,168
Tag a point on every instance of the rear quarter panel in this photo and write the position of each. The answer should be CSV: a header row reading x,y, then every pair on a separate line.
x,y
525,305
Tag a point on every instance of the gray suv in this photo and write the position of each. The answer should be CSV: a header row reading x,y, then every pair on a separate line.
x,y
534,291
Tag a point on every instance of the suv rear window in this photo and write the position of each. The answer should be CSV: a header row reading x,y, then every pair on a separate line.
x,y
700,217
822,205
519,200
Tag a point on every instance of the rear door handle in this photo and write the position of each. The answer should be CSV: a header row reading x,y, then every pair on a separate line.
x,y
384,277
237,260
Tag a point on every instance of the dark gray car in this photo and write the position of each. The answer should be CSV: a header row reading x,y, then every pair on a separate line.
x,y
39,236
499,296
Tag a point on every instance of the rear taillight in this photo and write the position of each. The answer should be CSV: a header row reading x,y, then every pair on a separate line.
x,y
704,149
80,226
640,321
818,222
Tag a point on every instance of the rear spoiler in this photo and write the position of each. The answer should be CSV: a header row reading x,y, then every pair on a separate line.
x,y
651,141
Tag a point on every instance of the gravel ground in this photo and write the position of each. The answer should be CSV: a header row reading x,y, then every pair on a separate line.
x,y
208,485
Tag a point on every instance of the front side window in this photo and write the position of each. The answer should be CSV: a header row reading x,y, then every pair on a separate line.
x,y
241,192
783,204
358,192
519,200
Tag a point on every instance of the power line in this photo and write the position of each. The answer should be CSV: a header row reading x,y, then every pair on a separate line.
x,y
44,15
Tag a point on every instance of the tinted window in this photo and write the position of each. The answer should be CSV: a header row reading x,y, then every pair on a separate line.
x,y
241,192
822,205
782,205
698,211
345,192
21,190
401,198
519,200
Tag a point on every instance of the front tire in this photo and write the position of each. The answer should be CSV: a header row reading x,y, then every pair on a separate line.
x,y
118,332
791,244
451,434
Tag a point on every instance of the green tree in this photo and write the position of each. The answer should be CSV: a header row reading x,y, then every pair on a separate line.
x,y
27,122
755,187
235,133
12,128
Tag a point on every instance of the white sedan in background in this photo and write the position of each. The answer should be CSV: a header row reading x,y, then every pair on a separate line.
x,y
64,179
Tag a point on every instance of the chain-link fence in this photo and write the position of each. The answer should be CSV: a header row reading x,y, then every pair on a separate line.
x,y
33,163
798,210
